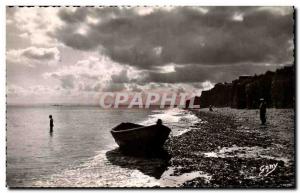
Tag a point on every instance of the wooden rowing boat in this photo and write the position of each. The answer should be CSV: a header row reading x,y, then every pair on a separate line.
x,y
134,136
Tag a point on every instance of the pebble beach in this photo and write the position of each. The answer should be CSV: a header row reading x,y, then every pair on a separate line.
x,y
228,148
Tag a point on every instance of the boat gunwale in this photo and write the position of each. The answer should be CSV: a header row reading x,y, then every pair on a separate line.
x,y
133,129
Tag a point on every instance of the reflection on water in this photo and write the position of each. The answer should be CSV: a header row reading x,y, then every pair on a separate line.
x,y
153,164
75,154
35,153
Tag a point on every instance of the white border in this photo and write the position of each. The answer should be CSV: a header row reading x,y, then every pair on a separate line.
x,y
296,3
151,2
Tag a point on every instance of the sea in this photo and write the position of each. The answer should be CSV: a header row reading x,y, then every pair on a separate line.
x,y
81,151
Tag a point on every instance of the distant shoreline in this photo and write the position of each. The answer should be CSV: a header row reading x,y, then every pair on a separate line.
x,y
87,105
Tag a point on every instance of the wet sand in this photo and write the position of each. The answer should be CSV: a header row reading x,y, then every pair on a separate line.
x,y
230,149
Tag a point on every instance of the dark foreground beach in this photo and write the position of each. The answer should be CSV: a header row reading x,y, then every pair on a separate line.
x,y
233,150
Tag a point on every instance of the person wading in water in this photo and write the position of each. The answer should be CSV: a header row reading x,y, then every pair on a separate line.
x,y
51,123
262,111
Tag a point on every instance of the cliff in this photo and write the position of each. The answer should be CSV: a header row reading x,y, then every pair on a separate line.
x,y
277,88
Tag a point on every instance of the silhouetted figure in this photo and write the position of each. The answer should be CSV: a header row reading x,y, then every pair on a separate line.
x,y
159,122
210,108
262,111
51,123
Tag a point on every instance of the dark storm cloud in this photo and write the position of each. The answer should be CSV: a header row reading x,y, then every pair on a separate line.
x,y
216,44
198,73
95,36
40,53
185,35
122,77
73,17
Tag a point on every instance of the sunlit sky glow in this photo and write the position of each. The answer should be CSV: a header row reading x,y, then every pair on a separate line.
x,y
72,55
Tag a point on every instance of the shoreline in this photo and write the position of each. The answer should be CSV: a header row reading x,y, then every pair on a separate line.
x,y
225,148
232,150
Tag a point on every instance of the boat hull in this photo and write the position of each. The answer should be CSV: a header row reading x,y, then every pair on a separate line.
x,y
133,136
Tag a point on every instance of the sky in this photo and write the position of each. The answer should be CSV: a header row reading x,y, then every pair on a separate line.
x,y
73,54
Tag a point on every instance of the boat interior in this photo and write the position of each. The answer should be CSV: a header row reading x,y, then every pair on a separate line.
x,y
125,126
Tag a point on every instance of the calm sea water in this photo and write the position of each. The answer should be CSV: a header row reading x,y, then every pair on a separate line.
x,y
78,145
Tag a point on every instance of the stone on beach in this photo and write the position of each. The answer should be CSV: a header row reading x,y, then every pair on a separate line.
x,y
238,147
